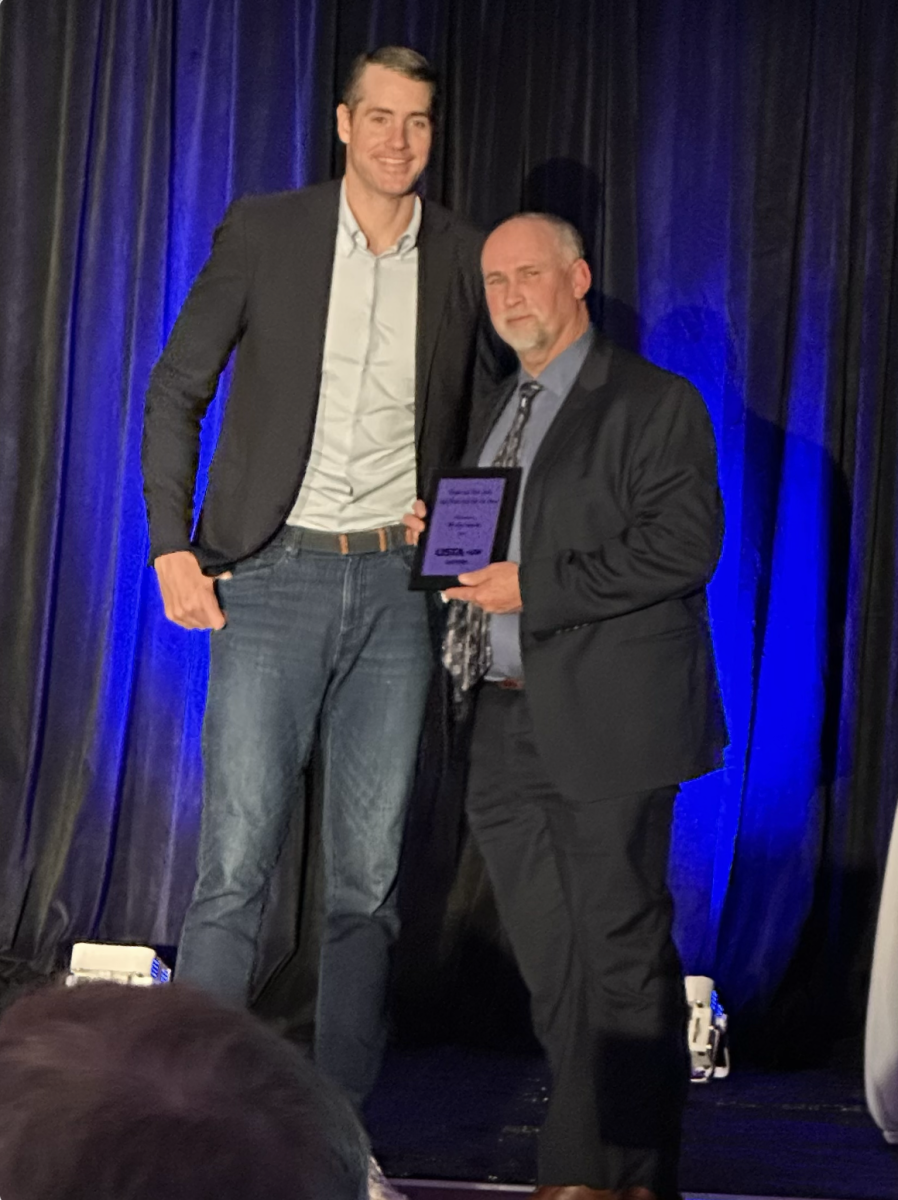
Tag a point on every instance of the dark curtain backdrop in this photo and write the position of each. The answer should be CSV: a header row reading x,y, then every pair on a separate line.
x,y
734,168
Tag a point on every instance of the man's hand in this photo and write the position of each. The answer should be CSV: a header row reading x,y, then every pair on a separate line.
x,y
187,594
414,521
495,589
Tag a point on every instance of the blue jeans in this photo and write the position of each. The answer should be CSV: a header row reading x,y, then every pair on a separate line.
x,y
338,644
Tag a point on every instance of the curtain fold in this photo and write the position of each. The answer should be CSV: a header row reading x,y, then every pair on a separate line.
x,y
81,270
734,170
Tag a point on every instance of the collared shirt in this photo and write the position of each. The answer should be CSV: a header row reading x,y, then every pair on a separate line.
x,y
555,382
361,471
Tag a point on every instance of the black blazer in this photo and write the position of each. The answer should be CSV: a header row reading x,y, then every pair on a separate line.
x,y
265,290
621,529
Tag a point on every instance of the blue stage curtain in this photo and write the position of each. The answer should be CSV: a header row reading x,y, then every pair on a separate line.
x,y
734,169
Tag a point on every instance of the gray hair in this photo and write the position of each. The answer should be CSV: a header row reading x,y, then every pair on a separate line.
x,y
569,237
400,59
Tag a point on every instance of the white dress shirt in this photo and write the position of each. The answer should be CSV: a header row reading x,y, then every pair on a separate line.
x,y
361,471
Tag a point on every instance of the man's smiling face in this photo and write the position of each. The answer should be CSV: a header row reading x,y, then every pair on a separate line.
x,y
388,133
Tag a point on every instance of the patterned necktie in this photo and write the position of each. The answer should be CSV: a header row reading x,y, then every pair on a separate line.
x,y
467,654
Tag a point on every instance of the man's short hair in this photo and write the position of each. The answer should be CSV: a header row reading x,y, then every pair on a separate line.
x,y
400,59
119,1093
569,235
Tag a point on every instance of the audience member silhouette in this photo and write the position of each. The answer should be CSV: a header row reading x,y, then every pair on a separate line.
x,y
122,1093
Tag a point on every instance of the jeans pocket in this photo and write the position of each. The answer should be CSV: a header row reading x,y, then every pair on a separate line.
x,y
260,564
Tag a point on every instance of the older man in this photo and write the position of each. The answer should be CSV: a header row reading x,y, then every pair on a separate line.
x,y
595,693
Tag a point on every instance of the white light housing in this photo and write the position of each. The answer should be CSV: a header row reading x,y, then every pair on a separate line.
x,y
136,966
708,1047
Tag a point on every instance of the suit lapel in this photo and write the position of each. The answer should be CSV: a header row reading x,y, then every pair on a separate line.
x,y
592,376
436,263
568,422
316,237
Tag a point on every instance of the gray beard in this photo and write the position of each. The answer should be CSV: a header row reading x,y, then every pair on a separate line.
x,y
524,342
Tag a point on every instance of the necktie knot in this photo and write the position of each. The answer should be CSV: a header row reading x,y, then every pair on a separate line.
x,y
527,391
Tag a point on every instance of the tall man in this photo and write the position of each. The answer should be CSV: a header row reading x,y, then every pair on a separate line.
x,y
600,697
355,309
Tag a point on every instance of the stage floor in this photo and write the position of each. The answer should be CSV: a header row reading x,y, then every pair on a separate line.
x,y
431,1189
454,1114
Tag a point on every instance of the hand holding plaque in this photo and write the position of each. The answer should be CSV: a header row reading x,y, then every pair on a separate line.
x,y
469,522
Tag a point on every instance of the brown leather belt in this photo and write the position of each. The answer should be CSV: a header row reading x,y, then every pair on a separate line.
x,y
362,541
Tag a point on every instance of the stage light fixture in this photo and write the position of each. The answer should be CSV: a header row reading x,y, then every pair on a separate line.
x,y
135,966
708,1048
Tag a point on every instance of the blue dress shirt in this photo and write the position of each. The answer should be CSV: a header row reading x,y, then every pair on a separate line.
x,y
556,382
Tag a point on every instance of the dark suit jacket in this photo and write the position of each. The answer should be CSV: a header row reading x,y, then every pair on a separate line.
x,y
265,290
621,530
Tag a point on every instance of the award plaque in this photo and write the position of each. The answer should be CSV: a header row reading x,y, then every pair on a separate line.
x,y
469,520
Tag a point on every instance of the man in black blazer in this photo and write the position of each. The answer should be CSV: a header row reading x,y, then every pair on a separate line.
x,y
598,698
356,313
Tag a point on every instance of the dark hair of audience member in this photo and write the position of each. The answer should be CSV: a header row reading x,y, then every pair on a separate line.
x,y
121,1093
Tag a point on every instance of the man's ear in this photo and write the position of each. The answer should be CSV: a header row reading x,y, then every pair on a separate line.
x,y
581,277
344,122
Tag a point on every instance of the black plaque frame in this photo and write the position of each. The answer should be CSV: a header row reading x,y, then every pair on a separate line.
x,y
512,476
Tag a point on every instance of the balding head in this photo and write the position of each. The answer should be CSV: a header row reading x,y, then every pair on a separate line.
x,y
570,243
536,282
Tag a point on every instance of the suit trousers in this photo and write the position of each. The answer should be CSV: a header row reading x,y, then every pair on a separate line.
x,y
582,892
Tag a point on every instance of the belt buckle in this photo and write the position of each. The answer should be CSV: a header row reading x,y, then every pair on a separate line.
x,y
344,540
